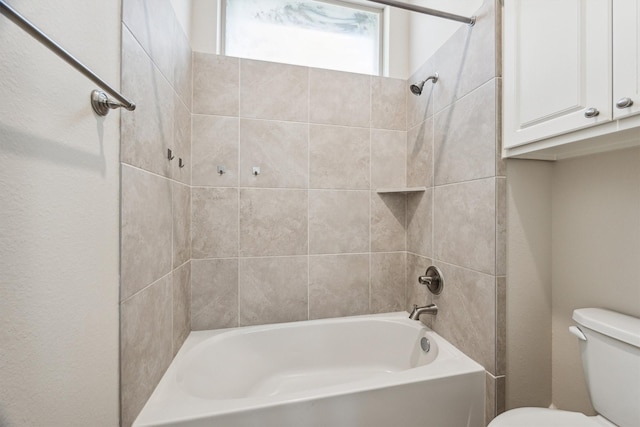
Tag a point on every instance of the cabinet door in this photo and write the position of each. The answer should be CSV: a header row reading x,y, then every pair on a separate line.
x,y
557,65
626,57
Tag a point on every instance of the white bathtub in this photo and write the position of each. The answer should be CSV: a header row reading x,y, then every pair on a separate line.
x,y
355,371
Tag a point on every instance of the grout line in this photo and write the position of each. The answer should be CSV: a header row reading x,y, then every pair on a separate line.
x,y
154,173
172,284
370,190
145,288
434,260
238,193
466,181
278,188
452,103
433,174
308,193
194,260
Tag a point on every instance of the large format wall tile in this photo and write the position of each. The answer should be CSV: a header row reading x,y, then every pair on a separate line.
x,y
154,25
388,103
216,84
338,285
155,211
214,294
215,143
467,313
181,200
273,290
146,346
273,222
388,282
279,149
214,222
388,219
420,223
501,226
465,225
181,146
465,138
183,74
468,59
147,132
388,158
501,164
339,157
420,155
146,229
338,221
181,305
274,91
339,98
501,325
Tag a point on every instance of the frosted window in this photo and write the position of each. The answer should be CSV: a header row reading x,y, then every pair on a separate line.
x,y
305,32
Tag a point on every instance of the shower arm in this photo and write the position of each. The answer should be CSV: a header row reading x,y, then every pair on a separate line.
x,y
433,12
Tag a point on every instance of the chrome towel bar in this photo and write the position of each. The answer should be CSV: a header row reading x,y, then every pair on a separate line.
x,y
99,101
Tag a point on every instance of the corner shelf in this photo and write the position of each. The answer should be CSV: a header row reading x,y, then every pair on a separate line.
x,y
401,190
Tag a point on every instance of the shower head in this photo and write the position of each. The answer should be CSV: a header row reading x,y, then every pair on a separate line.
x,y
416,88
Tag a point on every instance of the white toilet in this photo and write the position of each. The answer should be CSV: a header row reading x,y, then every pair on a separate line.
x,y
610,350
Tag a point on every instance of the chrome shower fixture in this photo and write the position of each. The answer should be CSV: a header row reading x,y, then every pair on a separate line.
x,y
416,88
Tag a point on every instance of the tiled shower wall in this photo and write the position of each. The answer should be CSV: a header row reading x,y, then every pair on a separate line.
x,y
308,236
155,289
458,224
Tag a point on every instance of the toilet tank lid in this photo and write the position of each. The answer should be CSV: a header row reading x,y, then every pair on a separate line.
x,y
615,325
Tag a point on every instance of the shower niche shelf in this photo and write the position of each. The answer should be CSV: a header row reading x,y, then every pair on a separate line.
x,y
401,190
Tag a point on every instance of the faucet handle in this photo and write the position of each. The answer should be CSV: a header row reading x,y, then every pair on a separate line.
x,y
433,280
424,280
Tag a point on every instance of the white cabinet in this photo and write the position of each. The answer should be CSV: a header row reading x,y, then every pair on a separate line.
x,y
626,57
566,65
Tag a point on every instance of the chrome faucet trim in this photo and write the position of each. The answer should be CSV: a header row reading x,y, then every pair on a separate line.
x,y
419,311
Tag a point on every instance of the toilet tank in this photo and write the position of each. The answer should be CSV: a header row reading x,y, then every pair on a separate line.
x,y
611,363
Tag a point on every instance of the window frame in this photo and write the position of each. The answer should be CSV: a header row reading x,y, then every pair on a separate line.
x,y
355,4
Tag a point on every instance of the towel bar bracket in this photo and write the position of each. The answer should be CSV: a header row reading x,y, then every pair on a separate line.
x,y
101,103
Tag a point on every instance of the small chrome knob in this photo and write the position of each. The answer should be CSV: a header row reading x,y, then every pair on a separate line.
x,y
591,112
624,103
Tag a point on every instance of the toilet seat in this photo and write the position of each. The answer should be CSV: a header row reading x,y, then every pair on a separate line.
x,y
543,417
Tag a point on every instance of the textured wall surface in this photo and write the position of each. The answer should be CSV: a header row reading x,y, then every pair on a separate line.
x,y
155,291
59,225
458,224
308,237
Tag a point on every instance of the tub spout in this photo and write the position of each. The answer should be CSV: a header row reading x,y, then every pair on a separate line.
x,y
418,311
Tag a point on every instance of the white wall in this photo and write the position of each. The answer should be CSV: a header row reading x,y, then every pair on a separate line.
x,y
204,26
596,254
396,43
59,225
